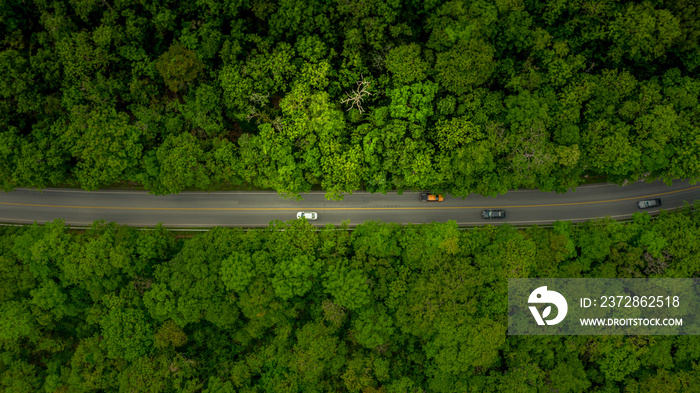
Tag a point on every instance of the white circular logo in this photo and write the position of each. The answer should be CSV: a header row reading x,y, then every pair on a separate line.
x,y
542,295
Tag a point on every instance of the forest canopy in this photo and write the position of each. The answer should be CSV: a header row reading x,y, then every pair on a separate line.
x,y
293,308
292,95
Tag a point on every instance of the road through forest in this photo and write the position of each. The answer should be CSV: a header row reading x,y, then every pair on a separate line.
x,y
255,209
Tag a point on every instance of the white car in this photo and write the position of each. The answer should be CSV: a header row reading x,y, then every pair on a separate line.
x,y
308,215
649,203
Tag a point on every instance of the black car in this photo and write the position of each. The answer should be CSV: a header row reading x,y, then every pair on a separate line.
x,y
645,204
492,213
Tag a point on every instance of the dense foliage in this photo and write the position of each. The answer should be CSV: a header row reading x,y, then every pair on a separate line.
x,y
383,308
460,96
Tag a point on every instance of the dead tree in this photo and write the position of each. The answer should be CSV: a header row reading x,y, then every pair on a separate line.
x,y
355,97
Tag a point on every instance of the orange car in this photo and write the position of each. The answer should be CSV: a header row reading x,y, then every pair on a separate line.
x,y
428,197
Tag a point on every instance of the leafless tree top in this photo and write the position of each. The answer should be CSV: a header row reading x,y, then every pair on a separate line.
x,y
355,97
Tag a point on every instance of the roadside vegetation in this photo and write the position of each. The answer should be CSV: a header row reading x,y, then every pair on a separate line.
x,y
382,308
293,95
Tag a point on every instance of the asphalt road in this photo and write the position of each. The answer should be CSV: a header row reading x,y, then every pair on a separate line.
x,y
253,209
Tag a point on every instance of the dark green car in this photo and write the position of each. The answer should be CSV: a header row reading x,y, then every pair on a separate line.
x,y
492,213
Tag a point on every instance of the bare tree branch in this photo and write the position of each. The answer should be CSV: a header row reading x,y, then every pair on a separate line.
x,y
259,99
355,97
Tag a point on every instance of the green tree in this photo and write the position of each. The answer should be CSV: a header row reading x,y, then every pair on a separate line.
x,y
96,264
237,89
80,57
19,376
90,369
216,385
456,132
17,323
146,374
406,64
466,65
42,249
613,154
51,299
105,145
373,328
179,67
316,349
126,333
617,363
237,271
459,346
160,301
413,102
348,287
570,376
9,140
169,335
188,287
643,32
180,165
16,83
295,277
202,109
